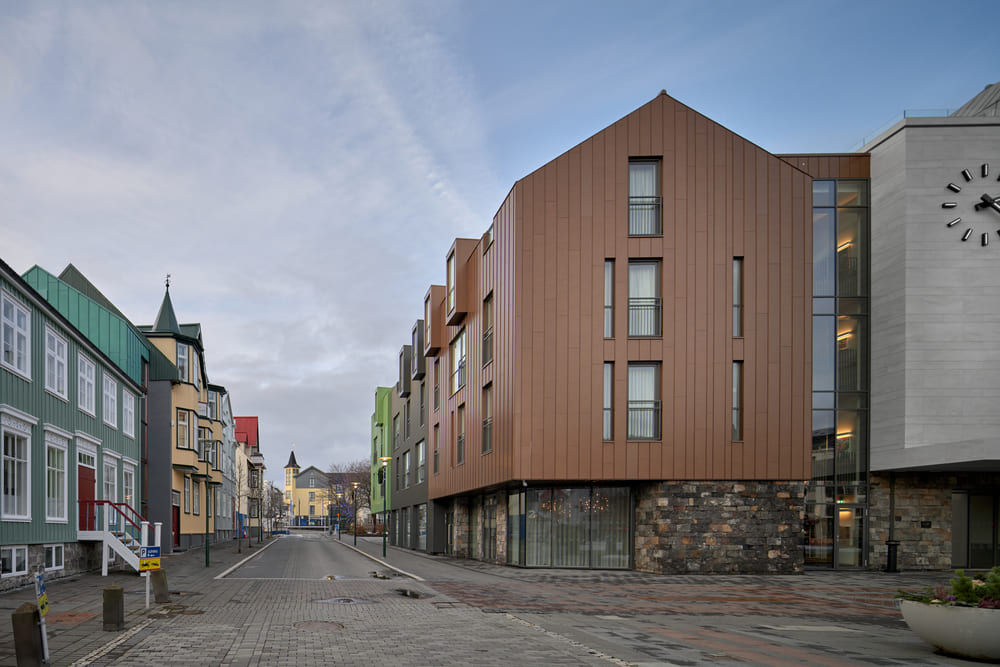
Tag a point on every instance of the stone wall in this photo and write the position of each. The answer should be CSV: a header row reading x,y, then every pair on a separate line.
x,y
749,527
922,518
460,509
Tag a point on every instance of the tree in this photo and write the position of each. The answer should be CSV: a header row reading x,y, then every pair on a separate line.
x,y
343,475
242,487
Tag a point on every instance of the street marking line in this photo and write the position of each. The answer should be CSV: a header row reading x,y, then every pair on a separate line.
x,y
381,562
571,642
110,646
254,555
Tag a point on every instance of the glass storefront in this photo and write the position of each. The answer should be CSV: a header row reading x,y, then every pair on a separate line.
x,y
836,506
587,527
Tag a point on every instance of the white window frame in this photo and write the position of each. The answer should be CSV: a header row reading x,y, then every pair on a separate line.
x,y
183,368
186,430
11,333
110,403
17,425
457,361
128,483
56,353
57,440
13,549
187,495
195,497
128,413
86,383
54,549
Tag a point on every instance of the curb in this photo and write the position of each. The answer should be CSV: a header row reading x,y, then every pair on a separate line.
x,y
381,562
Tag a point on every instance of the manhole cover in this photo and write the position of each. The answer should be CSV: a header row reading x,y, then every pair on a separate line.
x,y
339,601
315,626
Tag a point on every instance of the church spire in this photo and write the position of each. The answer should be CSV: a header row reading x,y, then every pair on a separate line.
x,y
166,321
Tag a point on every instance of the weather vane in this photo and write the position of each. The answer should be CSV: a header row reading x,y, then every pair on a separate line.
x,y
168,281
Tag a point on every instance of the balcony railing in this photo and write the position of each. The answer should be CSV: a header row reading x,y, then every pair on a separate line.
x,y
644,216
645,317
488,346
487,435
644,420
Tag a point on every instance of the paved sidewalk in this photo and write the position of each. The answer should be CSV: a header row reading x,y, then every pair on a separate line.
x,y
471,613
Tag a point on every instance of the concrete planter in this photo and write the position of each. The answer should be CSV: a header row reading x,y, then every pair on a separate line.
x,y
969,632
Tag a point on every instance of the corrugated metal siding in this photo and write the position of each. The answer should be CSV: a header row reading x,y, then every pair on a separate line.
x,y
49,409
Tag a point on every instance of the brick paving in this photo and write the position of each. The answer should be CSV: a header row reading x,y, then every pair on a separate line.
x,y
472,613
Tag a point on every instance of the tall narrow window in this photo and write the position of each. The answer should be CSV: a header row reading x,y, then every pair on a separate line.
x,y
458,362
460,439
182,362
110,401
451,282
128,485
737,400
187,495
609,378
609,298
643,401
644,308
16,326
16,460
488,418
436,432
737,297
421,461
128,414
437,383
55,478
488,329
55,363
423,403
85,388
427,321
183,430
644,198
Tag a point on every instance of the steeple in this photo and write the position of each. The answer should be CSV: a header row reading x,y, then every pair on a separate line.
x,y
166,321
291,461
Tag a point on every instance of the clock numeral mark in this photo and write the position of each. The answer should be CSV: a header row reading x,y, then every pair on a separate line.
x,y
954,188
954,222
986,239
967,234
967,175
986,169
949,204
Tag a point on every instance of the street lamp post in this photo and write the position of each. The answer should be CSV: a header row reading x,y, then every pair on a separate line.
x,y
204,452
355,495
385,501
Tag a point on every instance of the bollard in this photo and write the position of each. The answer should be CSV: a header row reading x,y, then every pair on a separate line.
x,y
114,608
27,635
160,591
890,563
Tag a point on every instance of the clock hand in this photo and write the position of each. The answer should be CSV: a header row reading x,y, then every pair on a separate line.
x,y
989,202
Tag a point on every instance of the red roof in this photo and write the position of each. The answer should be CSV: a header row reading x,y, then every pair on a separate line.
x,y
247,430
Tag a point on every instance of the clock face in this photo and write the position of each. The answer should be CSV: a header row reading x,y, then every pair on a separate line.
x,y
977,205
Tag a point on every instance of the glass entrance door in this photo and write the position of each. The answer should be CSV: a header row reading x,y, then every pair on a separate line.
x,y
835,536
984,534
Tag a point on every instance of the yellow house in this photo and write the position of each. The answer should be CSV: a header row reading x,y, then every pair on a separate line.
x,y
313,497
195,429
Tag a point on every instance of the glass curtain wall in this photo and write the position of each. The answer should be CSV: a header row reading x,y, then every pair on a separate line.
x,y
838,494
572,527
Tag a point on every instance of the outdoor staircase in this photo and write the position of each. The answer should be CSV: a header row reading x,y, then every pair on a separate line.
x,y
119,528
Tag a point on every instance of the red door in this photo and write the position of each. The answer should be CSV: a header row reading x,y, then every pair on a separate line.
x,y
86,488
177,526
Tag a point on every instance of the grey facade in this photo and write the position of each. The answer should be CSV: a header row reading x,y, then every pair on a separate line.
x,y
417,522
935,429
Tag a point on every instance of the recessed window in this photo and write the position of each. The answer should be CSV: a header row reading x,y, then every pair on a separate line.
x,y
643,401
421,450
644,198
488,329
85,384
55,363
16,472
110,401
460,436
644,304
13,561
53,557
488,418
609,298
451,282
406,469
196,498
128,413
55,478
436,432
458,362
737,297
609,379
737,400
15,324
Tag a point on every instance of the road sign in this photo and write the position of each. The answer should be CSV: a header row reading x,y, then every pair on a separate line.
x,y
43,598
149,552
149,564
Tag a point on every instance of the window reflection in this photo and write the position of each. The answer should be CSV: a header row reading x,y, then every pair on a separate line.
x,y
824,243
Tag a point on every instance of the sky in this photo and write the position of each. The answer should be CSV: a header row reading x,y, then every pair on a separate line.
x,y
301,168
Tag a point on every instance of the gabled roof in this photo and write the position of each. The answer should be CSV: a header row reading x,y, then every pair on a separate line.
x,y
247,426
986,103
